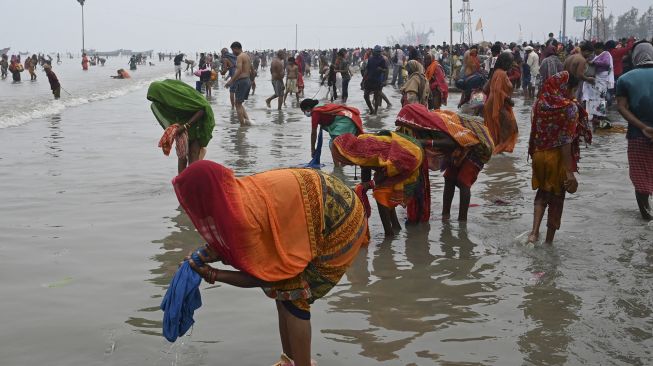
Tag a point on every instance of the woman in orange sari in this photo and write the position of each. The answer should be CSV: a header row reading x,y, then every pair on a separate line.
x,y
497,112
437,83
291,232
396,159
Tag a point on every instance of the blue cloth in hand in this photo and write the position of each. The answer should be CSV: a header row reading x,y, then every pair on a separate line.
x,y
180,302
315,162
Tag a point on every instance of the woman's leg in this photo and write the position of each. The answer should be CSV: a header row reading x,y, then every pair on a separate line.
x,y
298,336
193,151
396,226
465,198
643,204
541,200
554,217
182,163
386,221
447,197
283,330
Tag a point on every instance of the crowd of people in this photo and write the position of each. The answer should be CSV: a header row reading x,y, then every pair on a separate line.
x,y
294,232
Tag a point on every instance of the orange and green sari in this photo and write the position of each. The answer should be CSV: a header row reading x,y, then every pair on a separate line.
x,y
298,229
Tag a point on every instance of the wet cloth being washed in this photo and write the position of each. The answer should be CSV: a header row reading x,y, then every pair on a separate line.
x,y
180,302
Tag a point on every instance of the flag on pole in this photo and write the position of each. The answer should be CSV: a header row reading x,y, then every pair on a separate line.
x,y
479,25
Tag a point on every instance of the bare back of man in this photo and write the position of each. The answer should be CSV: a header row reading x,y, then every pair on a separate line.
x,y
276,70
244,64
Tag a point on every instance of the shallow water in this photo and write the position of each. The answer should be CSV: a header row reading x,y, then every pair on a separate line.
x,y
91,233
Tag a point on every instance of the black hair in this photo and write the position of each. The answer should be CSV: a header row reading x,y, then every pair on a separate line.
x,y
237,45
599,45
308,103
496,48
587,47
504,61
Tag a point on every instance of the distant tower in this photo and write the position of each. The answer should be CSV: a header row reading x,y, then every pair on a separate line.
x,y
597,27
466,34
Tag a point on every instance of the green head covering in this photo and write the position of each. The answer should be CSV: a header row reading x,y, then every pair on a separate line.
x,y
174,101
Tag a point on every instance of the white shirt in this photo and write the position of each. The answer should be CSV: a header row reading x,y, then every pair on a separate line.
x,y
533,62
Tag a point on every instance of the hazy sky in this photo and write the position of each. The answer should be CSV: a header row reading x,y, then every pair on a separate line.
x,y
55,25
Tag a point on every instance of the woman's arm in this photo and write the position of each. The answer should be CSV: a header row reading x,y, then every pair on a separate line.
x,y
199,114
234,278
571,185
313,140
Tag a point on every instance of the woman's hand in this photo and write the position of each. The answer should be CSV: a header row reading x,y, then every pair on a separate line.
x,y
208,273
205,253
181,129
571,184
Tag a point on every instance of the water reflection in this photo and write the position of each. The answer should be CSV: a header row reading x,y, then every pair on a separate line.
x,y
503,181
175,246
53,139
552,311
410,292
239,149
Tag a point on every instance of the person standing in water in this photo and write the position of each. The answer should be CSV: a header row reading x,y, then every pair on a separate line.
x,y
132,62
30,64
276,70
292,72
635,101
291,232
558,124
177,62
15,68
4,66
187,118
54,81
241,82
85,62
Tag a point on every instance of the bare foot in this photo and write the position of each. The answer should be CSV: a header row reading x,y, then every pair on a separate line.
x,y
267,102
533,237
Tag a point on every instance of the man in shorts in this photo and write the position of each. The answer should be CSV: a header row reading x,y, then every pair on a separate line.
x,y
241,81
292,73
276,69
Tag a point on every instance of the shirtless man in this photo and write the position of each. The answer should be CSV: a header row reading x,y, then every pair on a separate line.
x,y
292,73
276,69
576,65
241,81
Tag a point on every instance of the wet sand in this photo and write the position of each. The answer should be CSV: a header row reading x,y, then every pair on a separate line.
x,y
91,233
